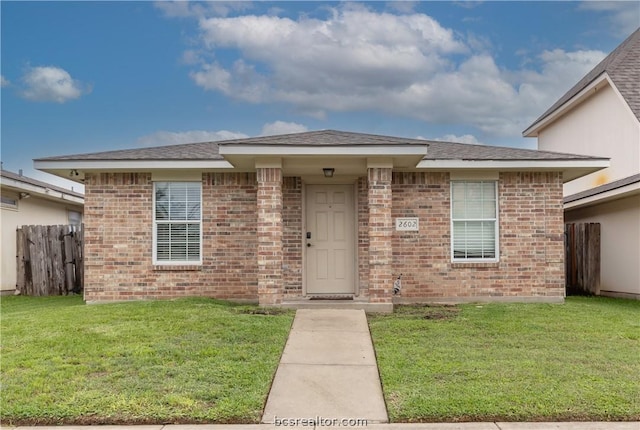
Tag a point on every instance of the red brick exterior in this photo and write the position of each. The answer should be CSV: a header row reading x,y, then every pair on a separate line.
x,y
119,240
531,239
269,232
252,233
380,234
292,236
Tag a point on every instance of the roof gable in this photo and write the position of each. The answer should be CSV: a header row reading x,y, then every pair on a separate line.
x,y
622,66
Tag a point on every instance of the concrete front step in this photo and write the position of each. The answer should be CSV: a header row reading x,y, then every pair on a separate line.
x,y
338,304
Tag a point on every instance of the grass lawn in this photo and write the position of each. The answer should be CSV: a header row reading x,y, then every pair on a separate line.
x,y
190,360
533,362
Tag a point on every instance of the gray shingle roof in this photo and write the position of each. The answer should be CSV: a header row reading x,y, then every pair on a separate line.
x,y
462,151
603,188
186,151
437,150
25,179
623,67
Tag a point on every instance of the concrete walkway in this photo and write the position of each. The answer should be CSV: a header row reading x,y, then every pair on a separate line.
x,y
328,371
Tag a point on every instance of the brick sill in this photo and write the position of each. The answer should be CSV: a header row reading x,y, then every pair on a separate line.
x,y
479,264
177,268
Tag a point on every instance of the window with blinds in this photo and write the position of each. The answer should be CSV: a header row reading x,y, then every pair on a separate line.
x,y
177,222
474,216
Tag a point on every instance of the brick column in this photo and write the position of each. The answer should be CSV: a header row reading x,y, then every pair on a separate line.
x,y
270,283
380,235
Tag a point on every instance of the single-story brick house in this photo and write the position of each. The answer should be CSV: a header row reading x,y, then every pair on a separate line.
x,y
282,220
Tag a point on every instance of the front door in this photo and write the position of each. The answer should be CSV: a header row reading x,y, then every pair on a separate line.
x,y
330,243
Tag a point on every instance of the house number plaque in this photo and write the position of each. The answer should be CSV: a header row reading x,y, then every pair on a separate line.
x,y
407,224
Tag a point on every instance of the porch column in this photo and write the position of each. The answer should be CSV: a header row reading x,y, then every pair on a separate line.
x,y
380,235
269,228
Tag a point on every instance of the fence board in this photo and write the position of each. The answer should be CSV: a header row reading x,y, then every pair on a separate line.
x,y
48,260
582,258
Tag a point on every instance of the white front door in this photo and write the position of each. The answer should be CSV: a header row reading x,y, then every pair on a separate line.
x,y
330,243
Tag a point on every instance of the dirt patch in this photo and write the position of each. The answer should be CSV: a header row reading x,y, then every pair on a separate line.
x,y
263,311
427,312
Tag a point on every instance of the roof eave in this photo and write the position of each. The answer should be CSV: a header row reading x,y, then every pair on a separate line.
x,y
625,191
74,169
571,169
42,191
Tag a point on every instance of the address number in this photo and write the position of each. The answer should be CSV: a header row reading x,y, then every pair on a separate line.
x,y
407,224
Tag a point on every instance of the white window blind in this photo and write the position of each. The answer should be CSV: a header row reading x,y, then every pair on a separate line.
x,y
474,224
177,220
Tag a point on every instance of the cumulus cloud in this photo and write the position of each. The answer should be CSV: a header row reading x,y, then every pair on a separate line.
x,y
358,59
161,138
4,82
51,84
465,138
402,6
623,16
282,127
187,9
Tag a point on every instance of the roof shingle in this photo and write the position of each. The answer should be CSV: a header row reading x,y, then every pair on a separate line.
x,y
437,150
623,67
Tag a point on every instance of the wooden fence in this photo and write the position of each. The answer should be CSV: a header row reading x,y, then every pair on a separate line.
x,y
50,260
582,258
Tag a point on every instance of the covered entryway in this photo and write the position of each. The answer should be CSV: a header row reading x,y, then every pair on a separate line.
x,y
330,240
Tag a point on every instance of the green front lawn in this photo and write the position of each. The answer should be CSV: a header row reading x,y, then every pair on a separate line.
x,y
189,360
514,362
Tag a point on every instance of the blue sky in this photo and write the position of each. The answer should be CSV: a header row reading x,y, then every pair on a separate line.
x,y
98,76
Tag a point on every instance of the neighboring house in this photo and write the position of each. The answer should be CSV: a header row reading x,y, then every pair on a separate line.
x,y
600,116
281,220
27,201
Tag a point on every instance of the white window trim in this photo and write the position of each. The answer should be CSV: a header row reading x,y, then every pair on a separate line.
x,y
157,262
496,230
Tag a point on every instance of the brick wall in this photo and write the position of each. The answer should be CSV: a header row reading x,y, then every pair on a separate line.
x,y
119,237
380,234
531,239
363,236
292,235
269,233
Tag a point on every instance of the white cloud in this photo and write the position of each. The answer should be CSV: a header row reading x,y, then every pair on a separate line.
x,y
402,6
358,59
187,9
623,16
51,84
4,82
161,138
282,127
465,138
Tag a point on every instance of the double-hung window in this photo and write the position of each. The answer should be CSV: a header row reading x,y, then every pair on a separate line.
x,y
177,223
474,221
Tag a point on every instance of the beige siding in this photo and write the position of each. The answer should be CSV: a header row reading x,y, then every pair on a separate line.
x,y
603,125
620,249
31,211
